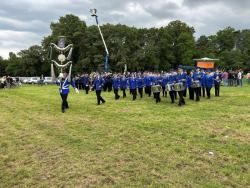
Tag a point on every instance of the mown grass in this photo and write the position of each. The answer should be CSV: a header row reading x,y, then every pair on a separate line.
x,y
123,143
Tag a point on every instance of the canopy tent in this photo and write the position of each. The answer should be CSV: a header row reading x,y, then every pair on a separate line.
x,y
206,63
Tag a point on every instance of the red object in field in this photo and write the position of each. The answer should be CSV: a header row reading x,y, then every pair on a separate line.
x,y
205,64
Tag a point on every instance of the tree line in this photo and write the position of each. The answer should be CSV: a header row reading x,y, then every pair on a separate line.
x,y
140,49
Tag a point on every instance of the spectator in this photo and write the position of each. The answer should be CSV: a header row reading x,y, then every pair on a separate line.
x,y
225,78
2,82
240,77
235,78
248,77
8,81
230,78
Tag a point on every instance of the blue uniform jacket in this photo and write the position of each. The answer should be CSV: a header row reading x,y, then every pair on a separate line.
x,y
203,80
182,78
219,75
124,83
98,83
64,86
209,81
217,82
197,76
116,83
189,81
132,83
153,80
85,80
147,81
172,79
164,81
140,82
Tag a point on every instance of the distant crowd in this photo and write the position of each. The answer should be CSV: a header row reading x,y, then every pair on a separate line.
x,y
234,78
9,82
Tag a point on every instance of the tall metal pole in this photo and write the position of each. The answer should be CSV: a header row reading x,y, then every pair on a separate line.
x,y
93,13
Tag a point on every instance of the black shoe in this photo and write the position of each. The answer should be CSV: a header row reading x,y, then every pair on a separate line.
x,y
63,110
103,102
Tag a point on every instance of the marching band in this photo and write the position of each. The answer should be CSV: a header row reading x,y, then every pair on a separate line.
x,y
176,84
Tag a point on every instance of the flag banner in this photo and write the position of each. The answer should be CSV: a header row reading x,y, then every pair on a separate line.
x,y
205,64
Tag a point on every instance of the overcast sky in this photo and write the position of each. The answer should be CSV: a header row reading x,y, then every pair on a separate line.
x,y
25,22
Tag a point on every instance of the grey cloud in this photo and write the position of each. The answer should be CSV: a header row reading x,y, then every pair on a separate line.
x,y
234,4
195,3
34,17
166,10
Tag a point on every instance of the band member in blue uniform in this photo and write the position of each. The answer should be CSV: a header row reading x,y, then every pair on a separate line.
x,y
197,90
77,82
98,85
217,82
140,84
189,86
171,81
64,89
209,83
124,84
156,88
175,77
85,82
148,84
181,78
203,83
107,85
163,85
116,85
133,86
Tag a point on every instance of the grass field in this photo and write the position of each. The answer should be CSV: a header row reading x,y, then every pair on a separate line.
x,y
123,143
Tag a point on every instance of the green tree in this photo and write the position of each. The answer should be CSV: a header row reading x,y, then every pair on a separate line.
x,y
226,39
183,43
206,46
14,65
3,64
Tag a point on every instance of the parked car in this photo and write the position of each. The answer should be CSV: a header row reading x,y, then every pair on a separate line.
x,y
33,80
48,80
26,80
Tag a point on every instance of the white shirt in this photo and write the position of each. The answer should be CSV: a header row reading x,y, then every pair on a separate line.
x,y
240,75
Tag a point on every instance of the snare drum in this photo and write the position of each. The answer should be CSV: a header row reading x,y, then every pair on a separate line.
x,y
169,87
179,87
156,89
196,84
